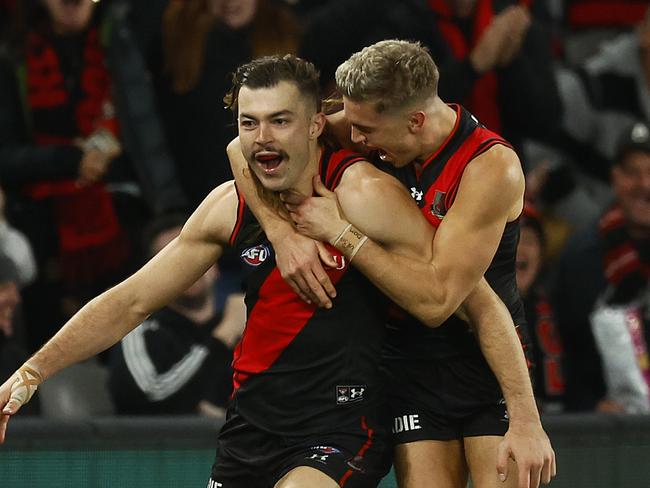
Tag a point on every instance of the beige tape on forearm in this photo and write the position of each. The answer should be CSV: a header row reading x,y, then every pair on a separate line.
x,y
338,238
25,385
350,241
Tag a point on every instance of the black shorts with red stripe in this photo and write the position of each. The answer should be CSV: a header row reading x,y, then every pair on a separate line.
x,y
358,456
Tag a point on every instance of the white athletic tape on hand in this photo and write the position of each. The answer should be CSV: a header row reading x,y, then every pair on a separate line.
x,y
25,385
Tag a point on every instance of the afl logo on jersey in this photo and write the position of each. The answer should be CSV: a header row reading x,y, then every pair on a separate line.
x,y
254,256
438,207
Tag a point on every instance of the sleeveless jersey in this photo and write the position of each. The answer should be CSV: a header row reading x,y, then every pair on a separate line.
x,y
299,369
434,187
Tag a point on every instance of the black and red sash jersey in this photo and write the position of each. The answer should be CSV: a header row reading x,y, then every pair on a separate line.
x,y
433,186
299,369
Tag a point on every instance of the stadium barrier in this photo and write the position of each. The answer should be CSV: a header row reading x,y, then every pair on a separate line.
x,y
170,452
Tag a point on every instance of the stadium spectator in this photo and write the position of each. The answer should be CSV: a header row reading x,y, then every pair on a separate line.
x,y
603,282
12,350
545,345
81,152
16,247
495,59
178,360
198,45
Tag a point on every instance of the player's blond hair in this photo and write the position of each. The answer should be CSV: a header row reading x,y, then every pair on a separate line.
x,y
392,74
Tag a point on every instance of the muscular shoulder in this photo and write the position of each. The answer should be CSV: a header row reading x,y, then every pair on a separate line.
x,y
497,171
215,217
499,163
363,182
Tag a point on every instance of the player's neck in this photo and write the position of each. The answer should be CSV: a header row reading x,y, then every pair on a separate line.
x,y
441,120
304,185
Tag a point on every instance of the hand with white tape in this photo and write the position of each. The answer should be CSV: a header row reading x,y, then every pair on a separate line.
x,y
15,392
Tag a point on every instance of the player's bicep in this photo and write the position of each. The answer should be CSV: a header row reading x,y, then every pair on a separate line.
x,y
379,206
468,237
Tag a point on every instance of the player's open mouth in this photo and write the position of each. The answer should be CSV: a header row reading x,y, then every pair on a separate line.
x,y
269,161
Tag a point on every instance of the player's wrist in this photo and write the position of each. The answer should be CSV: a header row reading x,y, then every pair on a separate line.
x,y
349,241
26,381
278,230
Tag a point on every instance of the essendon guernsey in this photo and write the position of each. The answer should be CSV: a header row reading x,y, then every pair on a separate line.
x,y
433,186
300,369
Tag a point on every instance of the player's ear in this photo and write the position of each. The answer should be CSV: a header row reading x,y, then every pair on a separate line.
x,y
416,121
317,125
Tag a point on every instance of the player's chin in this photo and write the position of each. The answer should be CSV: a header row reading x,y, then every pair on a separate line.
x,y
397,162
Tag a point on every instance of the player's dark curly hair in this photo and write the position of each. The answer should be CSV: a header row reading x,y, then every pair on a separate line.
x,y
268,71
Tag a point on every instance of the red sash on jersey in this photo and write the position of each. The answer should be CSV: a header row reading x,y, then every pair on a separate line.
x,y
276,298
441,192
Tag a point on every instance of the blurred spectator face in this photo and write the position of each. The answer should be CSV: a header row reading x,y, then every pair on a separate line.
x,y
69,16
199,290
631,181
529,259
462,8
9,298
238,13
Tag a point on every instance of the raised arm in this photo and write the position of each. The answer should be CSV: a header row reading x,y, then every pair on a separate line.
x,y
298,257
114,313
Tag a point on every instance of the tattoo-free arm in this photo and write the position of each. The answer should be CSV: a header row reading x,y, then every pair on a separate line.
x,y
114,313
525,441
490,192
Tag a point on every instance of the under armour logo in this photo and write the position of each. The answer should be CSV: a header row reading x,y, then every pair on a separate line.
x,y
318,457
349,393
417,195
356,392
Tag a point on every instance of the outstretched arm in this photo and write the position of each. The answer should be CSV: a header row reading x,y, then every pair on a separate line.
x,y
114,313
298,257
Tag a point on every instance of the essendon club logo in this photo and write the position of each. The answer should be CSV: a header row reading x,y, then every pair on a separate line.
x,y
438,207
254,256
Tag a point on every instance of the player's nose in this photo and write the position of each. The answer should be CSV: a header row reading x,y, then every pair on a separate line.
x,y
357,136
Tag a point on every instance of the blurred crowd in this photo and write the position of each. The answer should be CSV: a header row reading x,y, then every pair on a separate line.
x,y
113,128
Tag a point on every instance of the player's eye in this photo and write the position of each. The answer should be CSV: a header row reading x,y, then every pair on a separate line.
x,y
247,124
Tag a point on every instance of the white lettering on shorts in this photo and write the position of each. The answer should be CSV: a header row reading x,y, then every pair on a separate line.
x,y
405,423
